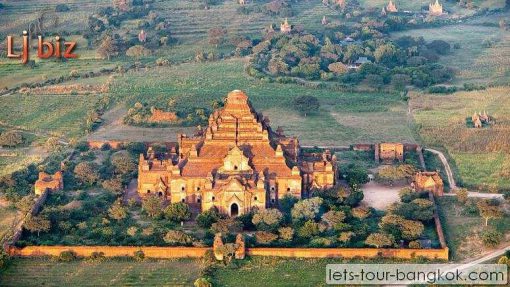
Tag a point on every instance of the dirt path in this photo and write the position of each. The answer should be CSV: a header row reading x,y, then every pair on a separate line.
x,y
379,196
449,173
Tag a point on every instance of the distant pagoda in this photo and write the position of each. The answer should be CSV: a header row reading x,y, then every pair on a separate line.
x,y
285,27
391,7
435,9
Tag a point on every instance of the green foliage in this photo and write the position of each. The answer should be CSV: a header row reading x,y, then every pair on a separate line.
x,y
307,209
37,224
207,218
117,211
67,256
202,282
177,237
177,212
379,240
306,104
267,219
418,209
265,237
86,172
152,205
491,237
309,229
227,225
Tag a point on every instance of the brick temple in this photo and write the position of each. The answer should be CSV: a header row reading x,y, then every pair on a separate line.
x,y
235,164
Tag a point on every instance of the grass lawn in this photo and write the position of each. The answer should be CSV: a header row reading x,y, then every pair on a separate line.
x,y
114,272
344,117
478,156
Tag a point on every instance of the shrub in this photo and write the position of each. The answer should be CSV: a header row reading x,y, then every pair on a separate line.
x,y
202,282
227,225
67,256
97,256
177,237
62,8
264,237
138,51
286,233
491,237
139,255
379,240
11,139
414,244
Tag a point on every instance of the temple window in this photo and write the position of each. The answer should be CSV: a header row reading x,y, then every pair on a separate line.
x,y
213,198
255,198
182,200
182,188
288,188
198,188
235,167
148,191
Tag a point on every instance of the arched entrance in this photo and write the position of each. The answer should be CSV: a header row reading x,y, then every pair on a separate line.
x,y
234,210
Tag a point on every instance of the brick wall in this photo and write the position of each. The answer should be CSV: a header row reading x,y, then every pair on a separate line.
x,y
110,251
349,252
180,252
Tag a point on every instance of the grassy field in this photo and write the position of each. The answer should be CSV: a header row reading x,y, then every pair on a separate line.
x,y
473,62
480,156
462,230
344,117
7,217
59,114
120,272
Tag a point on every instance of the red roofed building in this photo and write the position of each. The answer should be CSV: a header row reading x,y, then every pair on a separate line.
x,y
236,164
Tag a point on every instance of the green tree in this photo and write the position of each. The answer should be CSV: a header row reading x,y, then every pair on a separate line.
x,y
108,48
87,172
334,219
178,212
306,104
123,162
152,205
267,219
489,211
309,229
117,211
286,233
307,209
207,218
379,240
37,224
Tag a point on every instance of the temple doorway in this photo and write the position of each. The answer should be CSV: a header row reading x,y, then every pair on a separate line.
x,y
234,210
